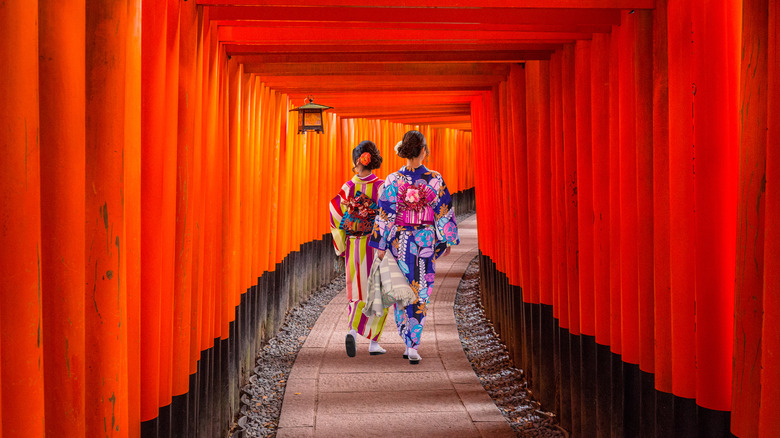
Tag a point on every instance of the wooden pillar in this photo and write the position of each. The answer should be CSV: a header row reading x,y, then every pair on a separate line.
x,y
749,284
585,232
185,198
628,193
715,199
132,215
62,137
681,211
152,156
584,173
769,419
615,304
661,202
167,236
643,79
599,92
21,365
105,288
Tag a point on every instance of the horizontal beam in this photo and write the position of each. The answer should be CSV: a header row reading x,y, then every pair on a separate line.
x,y
404,112
589,4
416,27
408,48
370,69
326,87
318,35
248,56
388,99
421,16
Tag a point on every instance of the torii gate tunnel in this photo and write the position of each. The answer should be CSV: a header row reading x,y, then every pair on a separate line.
x,y
160,213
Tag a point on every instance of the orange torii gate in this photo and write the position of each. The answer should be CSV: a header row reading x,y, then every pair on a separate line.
x,y
159,211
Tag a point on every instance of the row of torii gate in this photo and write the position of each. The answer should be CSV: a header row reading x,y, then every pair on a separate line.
x,y
160,213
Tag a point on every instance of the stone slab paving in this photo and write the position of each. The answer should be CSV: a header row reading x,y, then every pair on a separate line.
x,y
331,395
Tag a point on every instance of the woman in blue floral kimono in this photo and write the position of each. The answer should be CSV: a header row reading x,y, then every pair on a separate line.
x,y
352,214
416,222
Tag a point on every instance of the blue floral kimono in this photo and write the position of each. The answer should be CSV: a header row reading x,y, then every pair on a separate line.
x,y
416,223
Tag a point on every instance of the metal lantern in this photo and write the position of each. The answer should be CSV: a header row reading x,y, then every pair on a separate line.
x,y
310,116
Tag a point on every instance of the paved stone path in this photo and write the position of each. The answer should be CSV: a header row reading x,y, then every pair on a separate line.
x,y
331,395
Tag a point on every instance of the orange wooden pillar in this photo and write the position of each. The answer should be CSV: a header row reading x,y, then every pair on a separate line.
x,y
714,68
643,80
585,233
152,156
105,288
132,215
533,142
661,220
561,308
769,418
518,141
167,235
749,284
628,193
21,365
198,191
571,200
681,210
584,180
599,93
62,137
615,299
185,197
615,296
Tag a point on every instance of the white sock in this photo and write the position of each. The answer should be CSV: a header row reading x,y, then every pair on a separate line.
x,y
353,333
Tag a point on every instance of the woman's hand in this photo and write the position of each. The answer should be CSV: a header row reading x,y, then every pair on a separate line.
x,y
446,252
380,254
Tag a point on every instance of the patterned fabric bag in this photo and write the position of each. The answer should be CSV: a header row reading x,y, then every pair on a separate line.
x,y
387,286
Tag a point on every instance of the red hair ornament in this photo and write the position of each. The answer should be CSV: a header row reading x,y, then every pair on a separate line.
x,y
365,158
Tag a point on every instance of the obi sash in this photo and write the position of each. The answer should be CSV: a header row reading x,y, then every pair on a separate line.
x,y
414,205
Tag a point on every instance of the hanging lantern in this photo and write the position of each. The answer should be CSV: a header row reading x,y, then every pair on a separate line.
x,y
310,116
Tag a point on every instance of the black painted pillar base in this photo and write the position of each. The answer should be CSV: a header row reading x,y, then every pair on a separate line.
x,y
632,401
664,414
603,391
647,420
588,381
547,368
576,384
618,396
685,416
565,378
713,424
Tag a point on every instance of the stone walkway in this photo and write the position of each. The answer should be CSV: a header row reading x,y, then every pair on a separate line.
x,y
331,395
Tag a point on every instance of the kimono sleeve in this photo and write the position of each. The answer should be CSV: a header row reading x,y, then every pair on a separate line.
x,y
446,227
385,216
338,206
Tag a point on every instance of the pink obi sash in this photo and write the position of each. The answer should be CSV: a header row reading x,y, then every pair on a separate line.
x,y
414,205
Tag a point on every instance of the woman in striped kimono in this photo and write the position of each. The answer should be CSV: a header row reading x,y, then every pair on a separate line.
x,y
417,224
352,214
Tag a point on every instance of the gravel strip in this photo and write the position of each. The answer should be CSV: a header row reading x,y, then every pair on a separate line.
x,y
490,360
261,399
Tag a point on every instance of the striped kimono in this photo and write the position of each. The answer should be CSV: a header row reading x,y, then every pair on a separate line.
x,y
352,214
